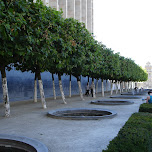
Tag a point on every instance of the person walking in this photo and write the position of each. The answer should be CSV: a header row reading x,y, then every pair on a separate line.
x,y
87,89
91,89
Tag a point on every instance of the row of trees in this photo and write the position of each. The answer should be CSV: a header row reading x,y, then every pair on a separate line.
x,y
36,38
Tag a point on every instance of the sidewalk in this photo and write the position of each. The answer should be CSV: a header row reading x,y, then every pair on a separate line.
x,y
30,120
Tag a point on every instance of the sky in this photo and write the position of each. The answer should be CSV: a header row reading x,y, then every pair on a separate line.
x,y
125,26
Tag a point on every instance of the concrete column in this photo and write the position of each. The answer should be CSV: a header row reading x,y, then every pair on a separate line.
x,y
84,12
78,10
53,4
47,2
44,1
70,8
89,15
63,6
92,17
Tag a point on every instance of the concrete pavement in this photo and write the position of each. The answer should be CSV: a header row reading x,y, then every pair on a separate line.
x,y
30,120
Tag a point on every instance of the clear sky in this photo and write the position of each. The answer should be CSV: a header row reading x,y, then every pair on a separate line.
x,y
125,26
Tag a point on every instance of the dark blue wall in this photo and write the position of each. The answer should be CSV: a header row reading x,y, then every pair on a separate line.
x,y
21,85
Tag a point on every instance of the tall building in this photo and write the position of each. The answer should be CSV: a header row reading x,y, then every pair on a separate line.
x,y
82,10
148,83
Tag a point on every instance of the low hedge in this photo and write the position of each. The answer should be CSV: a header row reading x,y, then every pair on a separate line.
x,y
135,135
145,108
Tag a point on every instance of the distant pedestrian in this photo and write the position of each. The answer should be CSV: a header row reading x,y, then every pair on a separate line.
x,y
87,89
91,89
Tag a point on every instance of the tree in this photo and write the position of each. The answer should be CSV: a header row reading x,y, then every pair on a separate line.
x,y
80,53
12,24
38,41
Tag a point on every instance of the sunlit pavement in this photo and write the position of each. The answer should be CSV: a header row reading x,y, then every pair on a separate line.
x,y
30,120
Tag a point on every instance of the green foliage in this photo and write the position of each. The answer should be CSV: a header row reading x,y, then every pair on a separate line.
x,y
35,37
43,24
81,40
135,136
12,14
145,107
131,71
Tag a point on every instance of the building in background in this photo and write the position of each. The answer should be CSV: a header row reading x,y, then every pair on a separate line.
x,y
82,10
148,83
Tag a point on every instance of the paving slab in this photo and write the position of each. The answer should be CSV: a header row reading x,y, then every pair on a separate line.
x,y
30,120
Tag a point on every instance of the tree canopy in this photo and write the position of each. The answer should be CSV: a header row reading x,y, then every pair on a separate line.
x,y
37,37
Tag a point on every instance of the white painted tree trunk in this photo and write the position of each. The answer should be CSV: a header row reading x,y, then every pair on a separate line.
x,y
120,87
80,90
126,86
70,87
6,97
35,90
42,94
131,85
111,88
94,94
62,92
102,85
134,85
106,85
116,87
97,87
54,93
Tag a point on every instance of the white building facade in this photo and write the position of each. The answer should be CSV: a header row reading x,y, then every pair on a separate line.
x,y
148,83
82,10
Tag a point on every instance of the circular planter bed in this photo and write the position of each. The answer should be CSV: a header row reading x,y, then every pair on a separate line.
x,y
9,143
126,97
111,102
130,93
81,113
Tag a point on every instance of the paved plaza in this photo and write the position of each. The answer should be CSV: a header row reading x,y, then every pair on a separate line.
x,y
59,135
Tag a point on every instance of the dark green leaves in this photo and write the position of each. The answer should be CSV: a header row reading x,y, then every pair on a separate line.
x,y
34,36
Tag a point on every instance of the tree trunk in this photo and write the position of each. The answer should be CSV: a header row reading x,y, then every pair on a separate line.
x,y
61,89
94,95
128,86
97,86
106,85
126,89
41,90
54,93
111,87
5,93
120,87
80,89
116,87
35,88
70,87
131,85
102,85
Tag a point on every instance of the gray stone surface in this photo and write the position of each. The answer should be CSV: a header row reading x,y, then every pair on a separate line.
x,y
30,120
81,113
21,143
126,96
112,102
